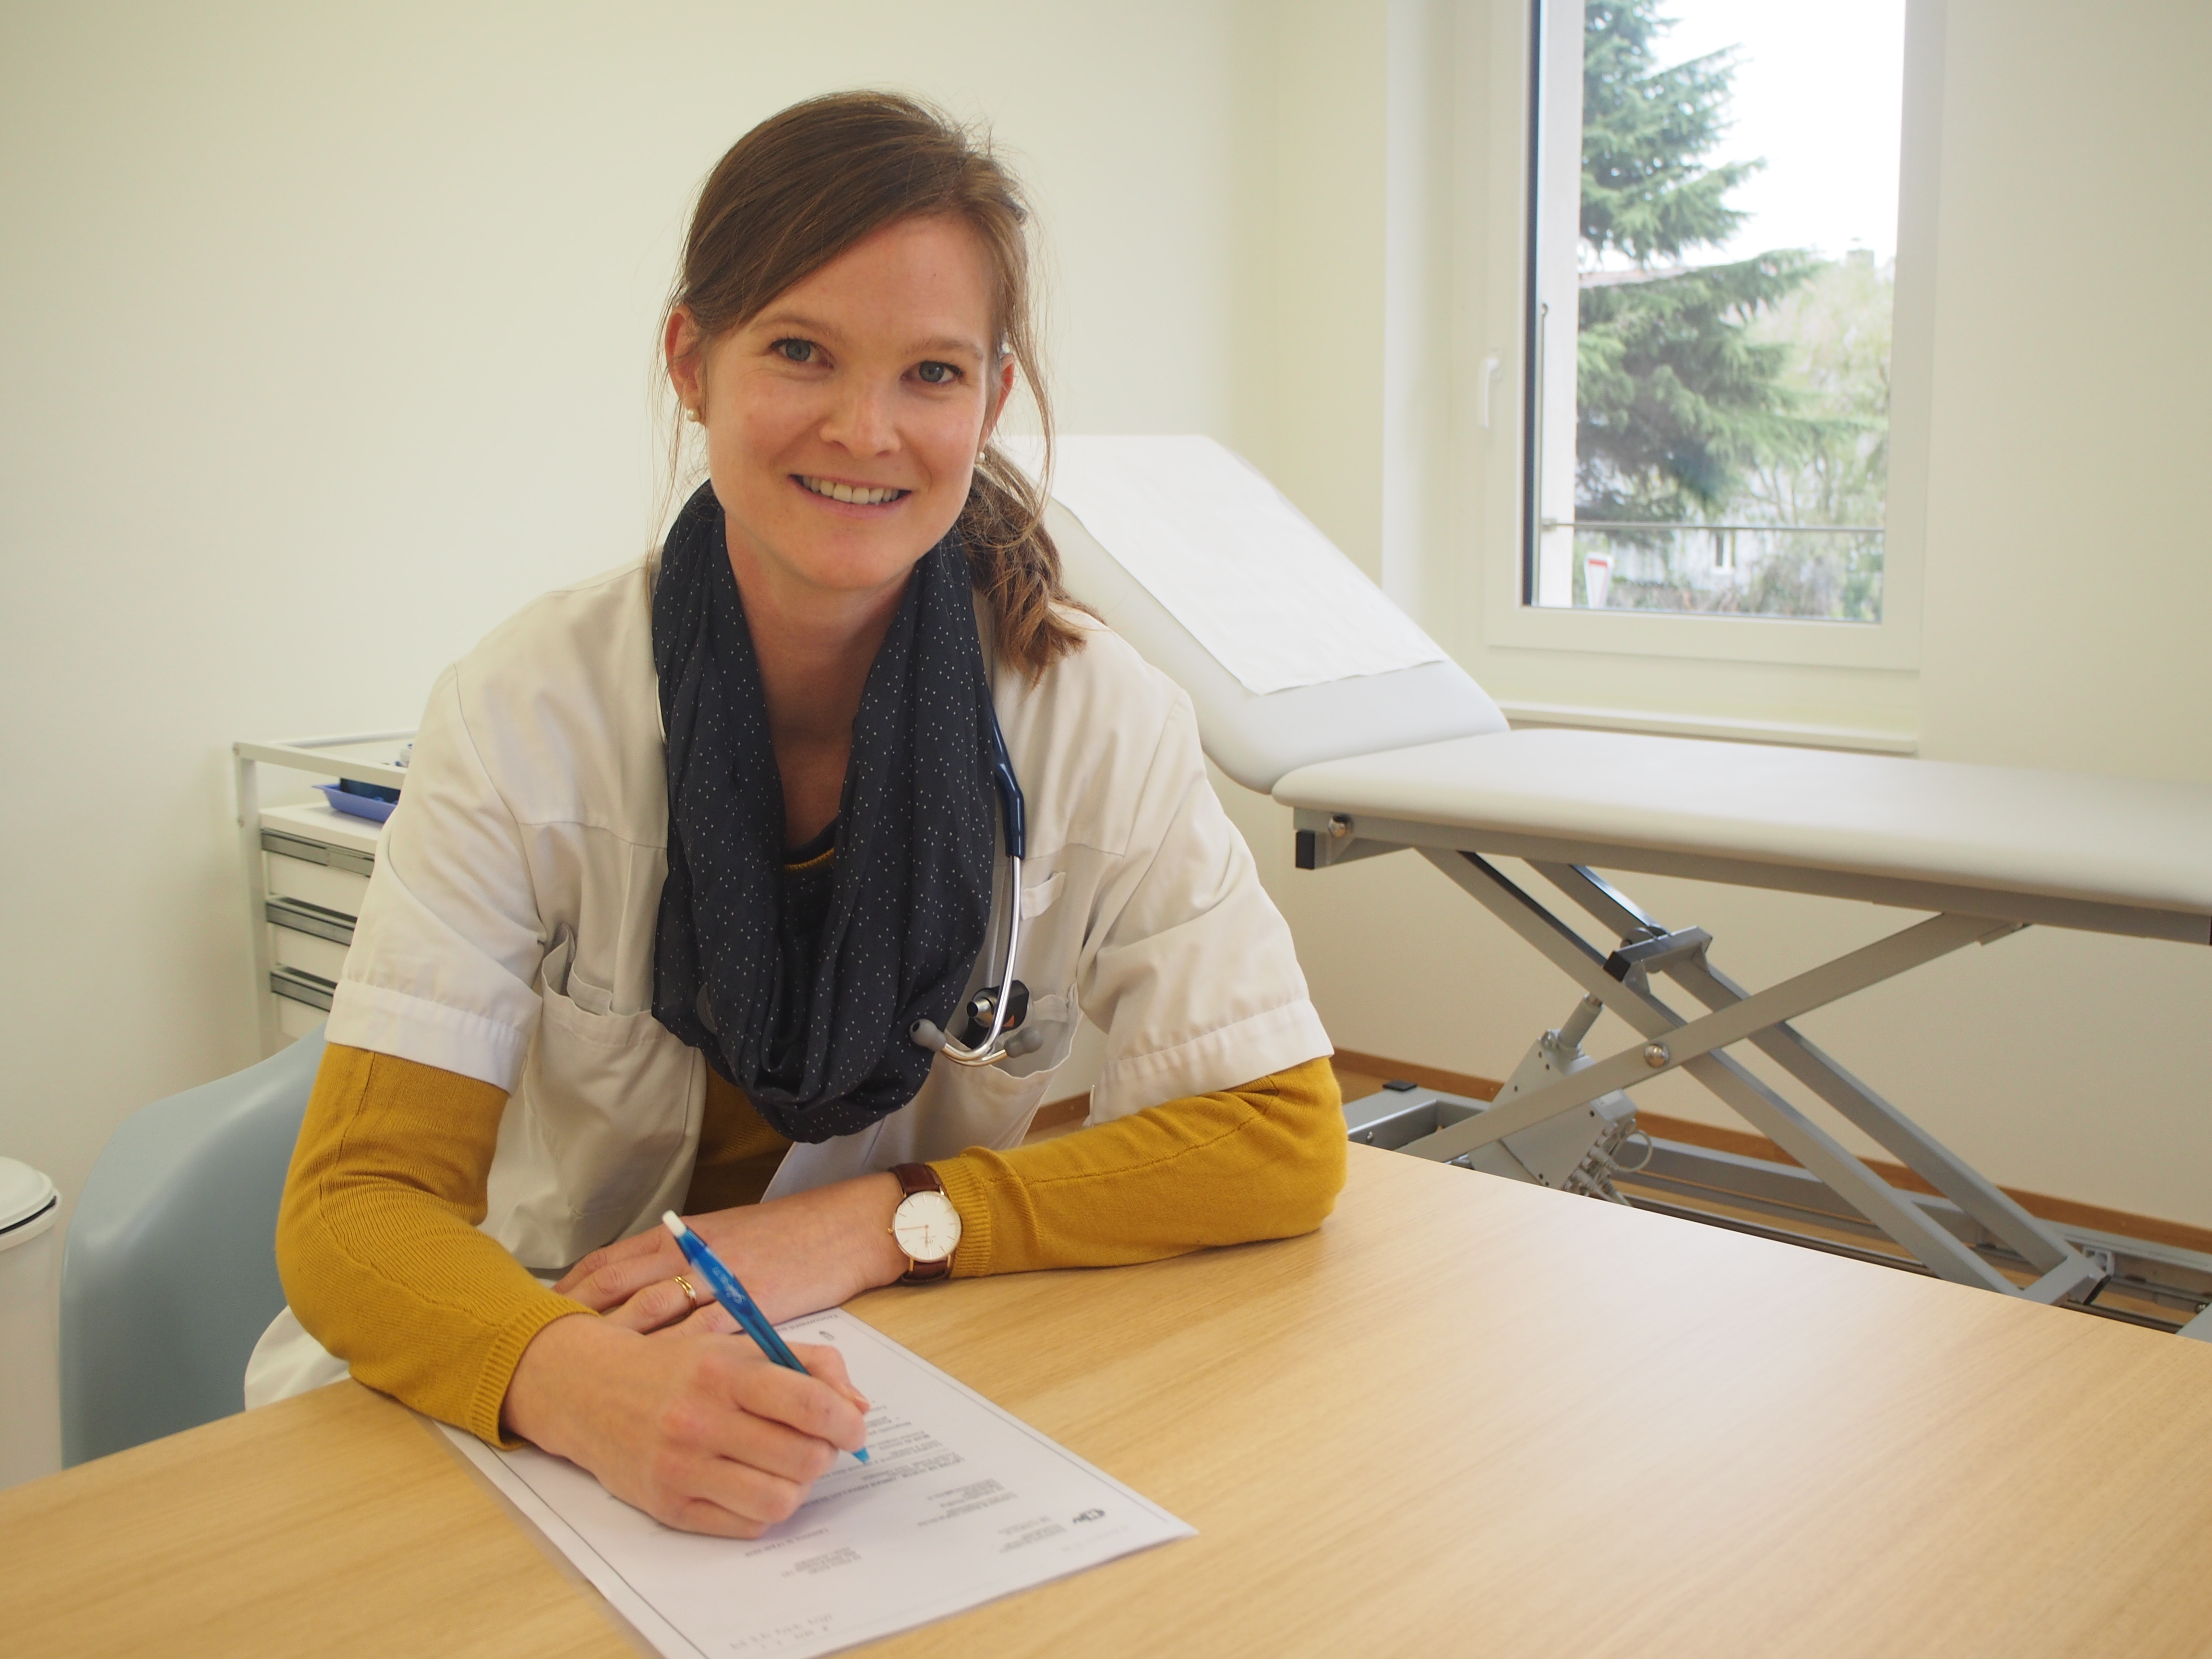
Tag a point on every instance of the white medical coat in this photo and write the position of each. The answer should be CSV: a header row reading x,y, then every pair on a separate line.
x,y
508,932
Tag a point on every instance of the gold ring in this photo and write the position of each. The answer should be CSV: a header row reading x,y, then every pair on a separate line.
x,y
690,1294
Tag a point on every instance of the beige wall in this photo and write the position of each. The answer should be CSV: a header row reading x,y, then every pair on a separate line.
x,y
327,336
2069,577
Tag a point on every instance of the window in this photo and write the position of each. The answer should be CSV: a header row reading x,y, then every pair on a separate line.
x,y
1714,236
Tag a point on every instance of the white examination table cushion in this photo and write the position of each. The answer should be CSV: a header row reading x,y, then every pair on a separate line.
x,y
1424,746
2095,841
1272,600
1256,739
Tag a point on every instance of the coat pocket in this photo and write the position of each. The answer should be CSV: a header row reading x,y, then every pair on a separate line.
x,y
610,1095
1038,897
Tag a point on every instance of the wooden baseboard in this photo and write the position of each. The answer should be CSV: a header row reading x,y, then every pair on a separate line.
x,y
2065,1211
1429,1077
1055,1113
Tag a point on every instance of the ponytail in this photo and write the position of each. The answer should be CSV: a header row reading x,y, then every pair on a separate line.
x,y
1014,565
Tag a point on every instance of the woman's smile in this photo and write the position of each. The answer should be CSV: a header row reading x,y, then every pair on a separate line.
x,y
845,492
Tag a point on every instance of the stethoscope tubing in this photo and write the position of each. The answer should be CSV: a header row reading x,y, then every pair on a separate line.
x,y
1012,818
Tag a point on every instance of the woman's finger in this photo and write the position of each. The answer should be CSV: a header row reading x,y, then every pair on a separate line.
x,y
737,1410
824,1364
659,1305
697,1514
827,1365
709,1318
736,1501
725,1470
742,1440
617,1279
642,1245
823,1408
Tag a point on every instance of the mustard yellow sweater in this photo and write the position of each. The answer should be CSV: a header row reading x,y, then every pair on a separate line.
x,y
378,1247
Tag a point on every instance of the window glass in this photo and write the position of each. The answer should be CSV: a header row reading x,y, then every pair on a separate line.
x,y
1715,225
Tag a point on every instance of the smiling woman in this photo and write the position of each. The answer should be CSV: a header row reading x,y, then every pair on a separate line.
x,y
944,224
690,855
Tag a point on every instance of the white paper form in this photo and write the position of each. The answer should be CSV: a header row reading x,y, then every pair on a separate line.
x,y
1231,560
960,1503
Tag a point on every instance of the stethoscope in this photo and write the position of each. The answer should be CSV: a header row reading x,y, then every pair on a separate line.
x,y
995,1013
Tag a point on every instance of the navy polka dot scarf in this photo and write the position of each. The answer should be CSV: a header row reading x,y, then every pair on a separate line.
x,y
910,904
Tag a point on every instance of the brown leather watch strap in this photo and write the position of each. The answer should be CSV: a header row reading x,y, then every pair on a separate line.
x,y
921,1178
916,1178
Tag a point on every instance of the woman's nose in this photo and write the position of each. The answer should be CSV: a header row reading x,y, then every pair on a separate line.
x,y
860,422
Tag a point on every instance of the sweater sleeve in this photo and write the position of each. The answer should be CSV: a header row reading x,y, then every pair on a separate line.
x,y
378,1247
1263,1161
377,1242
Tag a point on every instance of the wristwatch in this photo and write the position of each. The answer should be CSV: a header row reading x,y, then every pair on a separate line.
x,y
926,1225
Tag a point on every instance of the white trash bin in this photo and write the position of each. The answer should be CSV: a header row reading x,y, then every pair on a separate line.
x,y
30,1351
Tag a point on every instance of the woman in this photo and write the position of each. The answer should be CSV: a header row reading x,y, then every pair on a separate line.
x,y
689,852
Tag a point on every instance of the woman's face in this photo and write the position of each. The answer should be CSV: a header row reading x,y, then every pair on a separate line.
x,y
842,423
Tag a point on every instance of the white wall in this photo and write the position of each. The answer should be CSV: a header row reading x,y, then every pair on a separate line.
x,y
2069,578
327,332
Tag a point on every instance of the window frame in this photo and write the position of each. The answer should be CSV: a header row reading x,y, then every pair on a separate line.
x,y
1510,619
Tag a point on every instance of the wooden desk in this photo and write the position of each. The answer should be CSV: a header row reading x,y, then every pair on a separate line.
x,y
1467,1416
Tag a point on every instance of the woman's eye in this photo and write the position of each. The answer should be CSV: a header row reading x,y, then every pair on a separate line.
x,y
796,351
937,373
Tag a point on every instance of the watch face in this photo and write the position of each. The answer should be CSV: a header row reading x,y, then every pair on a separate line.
x,y
927,1226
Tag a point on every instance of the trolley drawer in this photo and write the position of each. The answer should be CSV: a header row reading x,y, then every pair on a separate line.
x,y
329,886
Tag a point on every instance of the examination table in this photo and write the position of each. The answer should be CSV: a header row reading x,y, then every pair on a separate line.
x,y
1410,753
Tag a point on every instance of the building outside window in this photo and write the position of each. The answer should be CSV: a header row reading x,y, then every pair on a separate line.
x,y
1713,262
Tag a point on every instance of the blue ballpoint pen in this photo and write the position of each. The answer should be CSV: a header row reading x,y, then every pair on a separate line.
x,y
732,1295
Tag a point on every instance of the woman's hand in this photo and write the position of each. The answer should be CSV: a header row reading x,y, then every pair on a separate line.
x,y
794,1255
696,1429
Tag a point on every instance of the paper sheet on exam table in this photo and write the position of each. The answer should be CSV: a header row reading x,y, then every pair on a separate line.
x,y
960,1503
1231,560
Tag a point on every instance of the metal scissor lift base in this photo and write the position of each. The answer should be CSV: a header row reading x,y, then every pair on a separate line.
x,y
2160,1286
1990,1228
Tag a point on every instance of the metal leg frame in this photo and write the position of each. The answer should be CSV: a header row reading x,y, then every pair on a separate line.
x,y
1622,983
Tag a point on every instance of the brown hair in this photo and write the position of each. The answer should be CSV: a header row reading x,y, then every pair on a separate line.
x,y
804,186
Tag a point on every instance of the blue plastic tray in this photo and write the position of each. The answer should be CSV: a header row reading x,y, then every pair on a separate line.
x,y
358,806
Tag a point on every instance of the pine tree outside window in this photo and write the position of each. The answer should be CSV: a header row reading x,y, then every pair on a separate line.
x,y
1713,260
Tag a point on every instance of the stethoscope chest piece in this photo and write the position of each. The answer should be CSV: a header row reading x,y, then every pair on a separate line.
x,y
985,1039
983,1011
